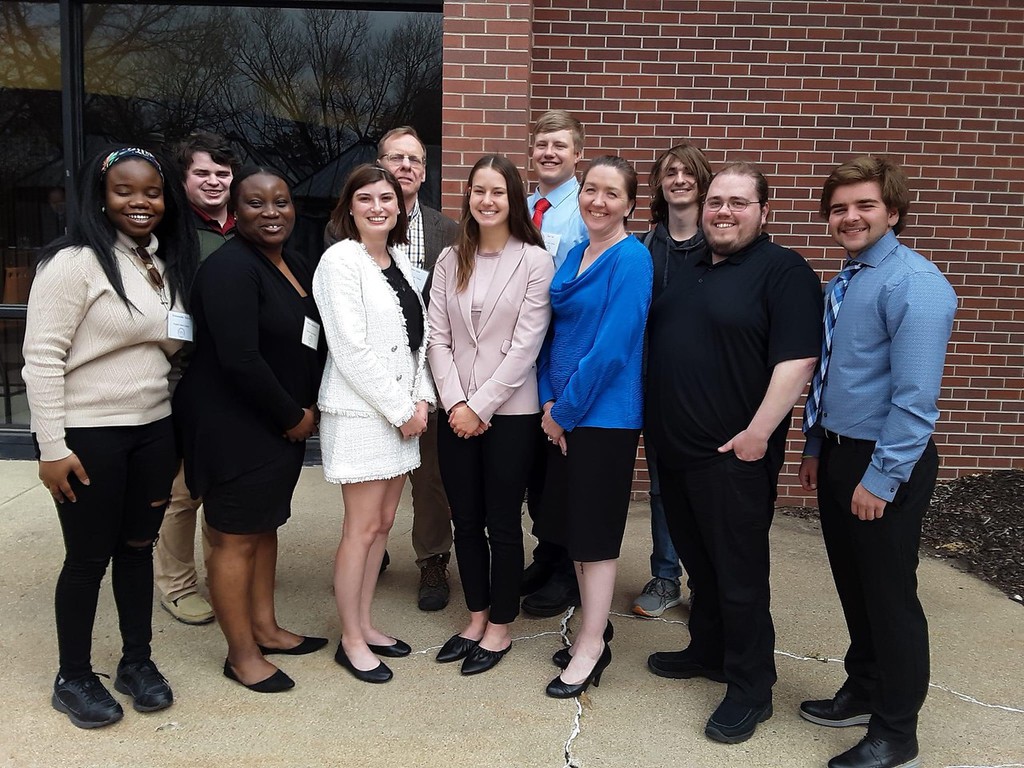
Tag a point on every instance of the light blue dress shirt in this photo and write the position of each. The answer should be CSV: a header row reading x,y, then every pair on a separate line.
x,y
562,218
888,354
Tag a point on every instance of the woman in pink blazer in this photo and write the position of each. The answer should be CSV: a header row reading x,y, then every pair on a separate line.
x,y
489,313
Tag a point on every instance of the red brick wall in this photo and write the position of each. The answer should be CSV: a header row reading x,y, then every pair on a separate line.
x,y
797,87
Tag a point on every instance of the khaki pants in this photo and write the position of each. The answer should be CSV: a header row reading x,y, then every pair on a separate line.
x,y
174,560
431,517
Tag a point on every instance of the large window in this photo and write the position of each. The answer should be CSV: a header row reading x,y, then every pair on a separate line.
x,y
306,90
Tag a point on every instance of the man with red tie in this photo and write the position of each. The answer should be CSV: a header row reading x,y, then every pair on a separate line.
x,y
549,583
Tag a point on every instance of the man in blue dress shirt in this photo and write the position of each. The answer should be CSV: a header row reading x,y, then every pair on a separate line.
x,y
870,456
550,582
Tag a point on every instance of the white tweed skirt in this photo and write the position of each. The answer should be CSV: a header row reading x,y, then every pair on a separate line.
x,y
356,449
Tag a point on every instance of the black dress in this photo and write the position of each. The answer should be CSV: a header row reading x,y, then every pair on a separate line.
x,y
248,380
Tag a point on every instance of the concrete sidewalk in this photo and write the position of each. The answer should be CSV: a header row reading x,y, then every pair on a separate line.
x,y
431,716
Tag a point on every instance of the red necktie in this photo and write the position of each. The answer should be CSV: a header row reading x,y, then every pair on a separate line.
x,y
538,211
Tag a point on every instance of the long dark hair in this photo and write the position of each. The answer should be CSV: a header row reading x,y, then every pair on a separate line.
x,y
520,225
179,244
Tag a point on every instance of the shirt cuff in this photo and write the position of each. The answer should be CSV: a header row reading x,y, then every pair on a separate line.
x,y
54,451
881,486
812,447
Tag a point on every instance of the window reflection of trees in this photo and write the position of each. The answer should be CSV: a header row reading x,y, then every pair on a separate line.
x,y
296,88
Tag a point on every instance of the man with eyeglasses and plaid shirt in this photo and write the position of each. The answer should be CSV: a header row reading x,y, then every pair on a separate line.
x,y
403,153
734,336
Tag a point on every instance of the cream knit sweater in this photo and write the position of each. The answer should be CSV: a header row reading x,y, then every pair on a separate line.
x,y
89,361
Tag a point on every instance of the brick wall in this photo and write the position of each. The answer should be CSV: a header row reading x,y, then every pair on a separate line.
x,y
797,87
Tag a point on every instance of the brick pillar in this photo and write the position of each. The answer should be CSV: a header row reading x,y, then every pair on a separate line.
x,y
487,50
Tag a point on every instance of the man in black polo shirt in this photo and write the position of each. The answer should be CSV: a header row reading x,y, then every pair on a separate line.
x,y
733,340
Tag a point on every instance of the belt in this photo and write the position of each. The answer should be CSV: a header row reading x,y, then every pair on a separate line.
x,y
841,439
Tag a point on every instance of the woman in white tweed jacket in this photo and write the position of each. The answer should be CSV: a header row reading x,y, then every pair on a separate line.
x,y
373,398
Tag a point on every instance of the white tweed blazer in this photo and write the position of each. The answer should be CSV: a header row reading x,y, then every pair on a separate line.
x,y
369,370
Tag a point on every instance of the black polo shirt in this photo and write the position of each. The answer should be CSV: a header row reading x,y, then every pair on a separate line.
x,y
716,332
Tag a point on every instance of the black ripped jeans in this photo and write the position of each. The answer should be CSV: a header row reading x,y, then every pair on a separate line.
x,y
130,471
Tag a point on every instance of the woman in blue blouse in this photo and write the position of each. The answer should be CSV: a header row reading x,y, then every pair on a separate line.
x,y
589,380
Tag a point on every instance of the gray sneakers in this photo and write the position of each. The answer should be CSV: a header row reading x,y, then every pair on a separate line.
x,y
657,597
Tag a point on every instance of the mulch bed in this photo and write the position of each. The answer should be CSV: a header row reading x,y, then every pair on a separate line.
x,y
976,521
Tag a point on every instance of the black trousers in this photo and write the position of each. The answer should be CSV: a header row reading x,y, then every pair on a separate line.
x,y
129,469
719,516
874,565
553,555
484,478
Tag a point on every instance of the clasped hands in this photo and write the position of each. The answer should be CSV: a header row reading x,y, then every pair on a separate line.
x,y
307,426
417,423
465,422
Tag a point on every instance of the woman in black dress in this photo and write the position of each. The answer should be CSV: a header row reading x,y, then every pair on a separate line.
x,y
246,406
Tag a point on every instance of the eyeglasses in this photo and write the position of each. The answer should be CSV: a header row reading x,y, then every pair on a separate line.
x,y
736,204
397,158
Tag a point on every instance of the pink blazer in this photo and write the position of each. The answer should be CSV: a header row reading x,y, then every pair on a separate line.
x,y
492,369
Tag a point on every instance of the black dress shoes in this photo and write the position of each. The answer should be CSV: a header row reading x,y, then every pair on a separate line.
x,y
396,650
732,723
276,683
559,689
535,576
308,645
680,665
843,710
562,657
480,660
379,674
555,597
878,753
456,647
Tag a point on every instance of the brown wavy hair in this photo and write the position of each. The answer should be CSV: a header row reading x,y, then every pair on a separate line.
x,y
888,174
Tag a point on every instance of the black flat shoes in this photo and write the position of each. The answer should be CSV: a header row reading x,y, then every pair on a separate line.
x,y
455,648
308,645
480,660
379,674
396,650
276,683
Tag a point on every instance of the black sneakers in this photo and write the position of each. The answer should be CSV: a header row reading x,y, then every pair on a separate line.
x,y
143,682
86,702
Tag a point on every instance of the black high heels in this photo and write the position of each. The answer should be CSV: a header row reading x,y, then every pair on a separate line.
x,y
562,657
559,689
379,674
276,683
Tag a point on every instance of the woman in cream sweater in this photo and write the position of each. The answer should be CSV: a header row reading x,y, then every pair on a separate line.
x,y
373,398
106,312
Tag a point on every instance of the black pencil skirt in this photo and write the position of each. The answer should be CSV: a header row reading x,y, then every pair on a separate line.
x,y
587,492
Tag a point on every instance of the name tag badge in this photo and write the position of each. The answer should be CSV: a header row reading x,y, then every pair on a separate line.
x,y
310,333
551,242
419,278
179,326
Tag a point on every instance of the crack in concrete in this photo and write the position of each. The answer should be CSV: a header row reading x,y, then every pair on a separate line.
x,y
962,696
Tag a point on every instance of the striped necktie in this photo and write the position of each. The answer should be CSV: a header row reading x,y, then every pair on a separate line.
x,y
833,301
